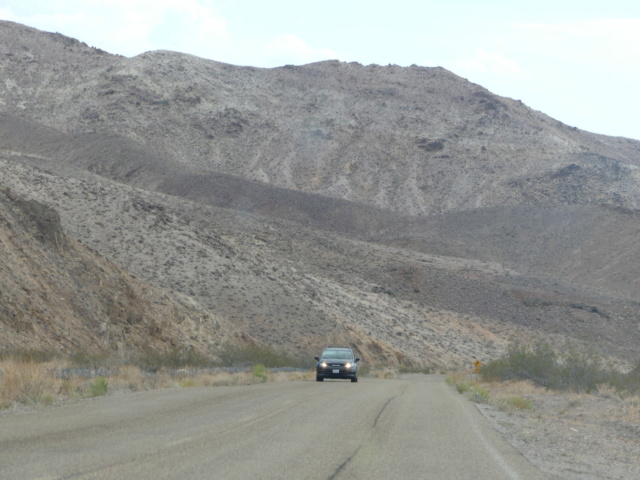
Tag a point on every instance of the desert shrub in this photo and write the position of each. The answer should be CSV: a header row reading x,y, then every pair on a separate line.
x,y
580,371
515,402
187,383
456,377
631,409
72,387
27,382
130,377
465,385
575,369
99,387
605,390
522,362
462,387
631,380
478,394
260,372
47,399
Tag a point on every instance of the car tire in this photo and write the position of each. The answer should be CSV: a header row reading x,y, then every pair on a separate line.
x,y
319,379
354,379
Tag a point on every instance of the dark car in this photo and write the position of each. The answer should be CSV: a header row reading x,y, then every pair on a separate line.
x,y
337,362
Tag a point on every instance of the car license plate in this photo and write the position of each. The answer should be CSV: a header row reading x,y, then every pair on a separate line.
x,y
336,371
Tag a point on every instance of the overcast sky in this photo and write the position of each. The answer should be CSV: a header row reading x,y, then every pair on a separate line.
x,y
577,61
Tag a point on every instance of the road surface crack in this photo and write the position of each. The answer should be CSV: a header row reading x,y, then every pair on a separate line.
x,y
344,464
375,422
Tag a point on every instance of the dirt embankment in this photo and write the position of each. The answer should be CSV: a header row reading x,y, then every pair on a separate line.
x,y
58,295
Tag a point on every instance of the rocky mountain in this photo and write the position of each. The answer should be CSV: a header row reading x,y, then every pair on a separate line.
x,y
405,211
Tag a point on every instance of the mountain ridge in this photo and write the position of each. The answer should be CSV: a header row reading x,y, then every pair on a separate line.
x,y
345,130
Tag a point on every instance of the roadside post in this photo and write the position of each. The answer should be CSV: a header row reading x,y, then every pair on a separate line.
x,y
476,367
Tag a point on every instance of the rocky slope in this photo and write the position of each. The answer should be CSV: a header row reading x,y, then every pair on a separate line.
x,y
60,296
299,288
405,211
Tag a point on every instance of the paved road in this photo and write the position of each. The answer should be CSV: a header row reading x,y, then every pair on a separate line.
x,y
413,428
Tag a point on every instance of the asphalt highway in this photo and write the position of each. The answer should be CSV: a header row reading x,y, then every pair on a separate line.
x,y
410,428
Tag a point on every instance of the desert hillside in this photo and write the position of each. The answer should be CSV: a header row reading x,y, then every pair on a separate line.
x,y
405,211
60,296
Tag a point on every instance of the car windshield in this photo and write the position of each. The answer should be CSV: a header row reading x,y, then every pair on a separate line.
x,y
337,355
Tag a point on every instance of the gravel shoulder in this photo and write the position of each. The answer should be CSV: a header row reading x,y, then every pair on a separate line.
x,y
572,436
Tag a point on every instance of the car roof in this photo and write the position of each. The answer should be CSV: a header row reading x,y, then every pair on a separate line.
x,y
337,351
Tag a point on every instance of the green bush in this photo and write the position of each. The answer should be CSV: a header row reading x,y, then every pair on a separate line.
x,y
99,387
576,369
478,394
260,372
468,387
462,387
518,402
187,383
521,362
580,371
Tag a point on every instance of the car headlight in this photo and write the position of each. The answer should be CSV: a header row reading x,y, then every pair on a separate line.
x,y
323,364
347,366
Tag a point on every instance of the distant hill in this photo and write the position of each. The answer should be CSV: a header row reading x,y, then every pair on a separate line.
x,y
414,140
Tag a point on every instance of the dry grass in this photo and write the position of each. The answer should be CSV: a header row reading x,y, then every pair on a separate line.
x,y
630,411
556,429
129,378
291,376
575,400
28,383
606,391
456,377
31,383
511,396
383,373
520,387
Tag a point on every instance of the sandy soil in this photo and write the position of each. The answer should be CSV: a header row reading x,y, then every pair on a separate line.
x,y
572,436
